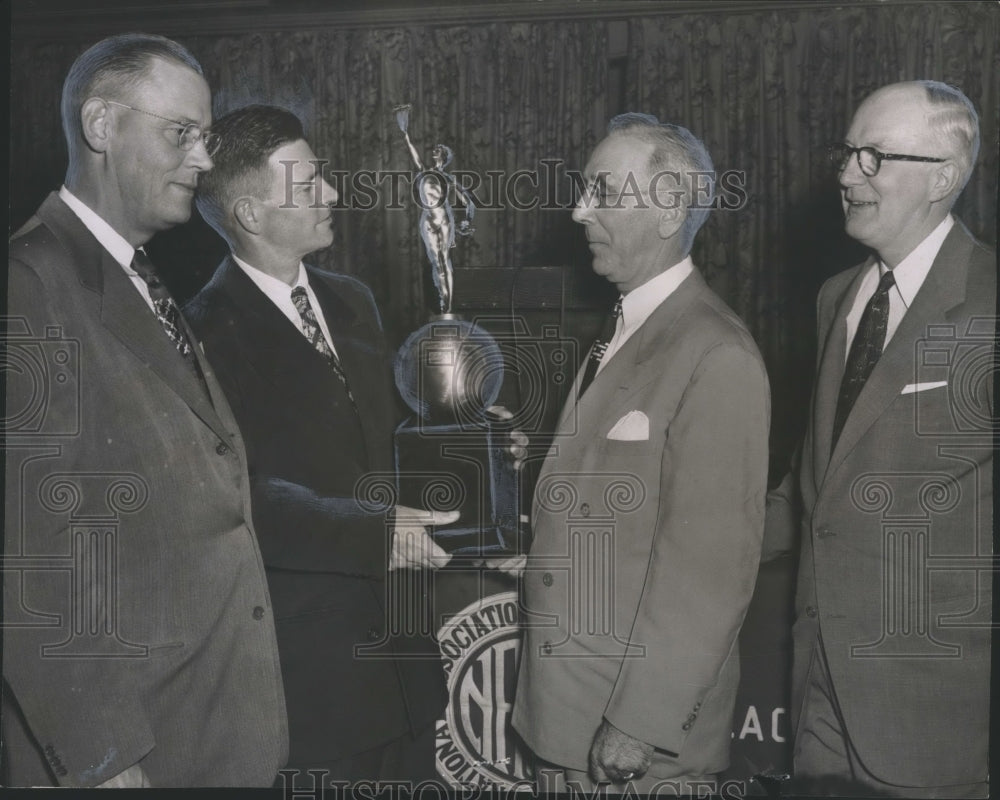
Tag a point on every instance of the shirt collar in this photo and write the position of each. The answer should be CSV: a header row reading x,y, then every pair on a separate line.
x,y
642,301
912,270
112,241
273,287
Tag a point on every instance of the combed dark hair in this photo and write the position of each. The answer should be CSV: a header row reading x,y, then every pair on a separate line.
x,y
674,148
249,136
955,121
112,67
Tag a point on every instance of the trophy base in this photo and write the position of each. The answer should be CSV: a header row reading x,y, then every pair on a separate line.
x,y
464,467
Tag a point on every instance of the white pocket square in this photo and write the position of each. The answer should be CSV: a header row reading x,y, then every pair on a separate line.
x,y
910,388
633,427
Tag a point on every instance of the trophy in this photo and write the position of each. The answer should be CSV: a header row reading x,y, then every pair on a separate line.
x,y
450,454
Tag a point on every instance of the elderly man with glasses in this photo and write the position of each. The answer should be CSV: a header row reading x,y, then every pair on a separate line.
x,y
139,641
892,492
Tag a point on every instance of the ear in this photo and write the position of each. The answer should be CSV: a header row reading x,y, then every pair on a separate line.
x,y
96,124
245,213
945,180
671,220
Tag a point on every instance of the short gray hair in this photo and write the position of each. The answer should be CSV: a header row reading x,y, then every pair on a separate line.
x,y
112,66
674,148
955,121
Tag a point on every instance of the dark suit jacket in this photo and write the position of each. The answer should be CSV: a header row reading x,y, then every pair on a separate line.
x,y
138,621
910,478
645,549
325,553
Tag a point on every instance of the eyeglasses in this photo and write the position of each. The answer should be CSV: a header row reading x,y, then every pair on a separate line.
x,y
869,159
188,134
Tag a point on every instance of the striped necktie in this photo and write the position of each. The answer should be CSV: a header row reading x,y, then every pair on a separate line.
x,y
312,332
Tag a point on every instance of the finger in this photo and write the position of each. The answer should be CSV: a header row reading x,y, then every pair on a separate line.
x,y
408,516
519,438
499,412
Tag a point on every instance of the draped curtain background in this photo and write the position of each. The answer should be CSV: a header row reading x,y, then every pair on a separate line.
x,y
765,88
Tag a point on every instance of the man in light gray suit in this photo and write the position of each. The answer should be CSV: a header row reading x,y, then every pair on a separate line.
x,y
892,502
649,509
139,644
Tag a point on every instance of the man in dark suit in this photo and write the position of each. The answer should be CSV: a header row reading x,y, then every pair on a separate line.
x,y
302,357
893,495
648,512
139,642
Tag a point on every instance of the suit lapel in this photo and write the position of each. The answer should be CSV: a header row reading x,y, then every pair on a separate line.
x,y
125,314
942,290
630,368
354,349
831,373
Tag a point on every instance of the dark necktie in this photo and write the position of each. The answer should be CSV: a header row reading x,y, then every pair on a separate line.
x,y
164,307
312,331
600,347
865,351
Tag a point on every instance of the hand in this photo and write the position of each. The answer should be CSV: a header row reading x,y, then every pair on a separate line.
x,y
132,778
512,565
617,757
412,546
519,441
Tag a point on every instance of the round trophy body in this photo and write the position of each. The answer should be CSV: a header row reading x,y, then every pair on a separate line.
x,y
449,371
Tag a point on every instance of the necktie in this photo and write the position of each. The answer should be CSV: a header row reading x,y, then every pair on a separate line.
x,y
865,351
163,304
312,332
600,347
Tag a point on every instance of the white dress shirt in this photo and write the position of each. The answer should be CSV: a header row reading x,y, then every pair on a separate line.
x,y
112,241
909,274
280,293
642,301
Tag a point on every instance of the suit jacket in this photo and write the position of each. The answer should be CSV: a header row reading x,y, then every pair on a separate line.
x,y
643,562
138,622
895,519
326,553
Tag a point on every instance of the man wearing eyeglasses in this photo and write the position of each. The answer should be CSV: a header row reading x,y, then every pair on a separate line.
x,y
139,642
893,490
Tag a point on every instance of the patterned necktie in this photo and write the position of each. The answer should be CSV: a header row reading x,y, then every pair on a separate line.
x,y
163,304
600,347
865,351
312,332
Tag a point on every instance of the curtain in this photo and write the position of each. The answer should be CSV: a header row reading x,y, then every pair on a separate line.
x,y
765,89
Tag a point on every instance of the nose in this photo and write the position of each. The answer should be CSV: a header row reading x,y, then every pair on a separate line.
x,y
330,195
851,174
199,158
583,208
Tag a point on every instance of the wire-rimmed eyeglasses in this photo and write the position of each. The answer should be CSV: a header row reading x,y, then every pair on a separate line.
x,y
188,133
869,159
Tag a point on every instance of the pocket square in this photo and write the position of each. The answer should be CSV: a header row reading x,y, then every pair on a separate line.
x,y
633,427
910,388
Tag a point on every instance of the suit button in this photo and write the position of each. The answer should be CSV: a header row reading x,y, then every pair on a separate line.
x,y
373,634
697,705
810,612
585,509
258,612
222,448
686,726
824,531
692,717
547,648
547,578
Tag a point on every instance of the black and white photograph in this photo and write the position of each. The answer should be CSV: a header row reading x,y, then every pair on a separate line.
x,y
513,398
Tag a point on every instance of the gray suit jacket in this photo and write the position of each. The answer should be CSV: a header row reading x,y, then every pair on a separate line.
x,y
645,551
896,526
138,626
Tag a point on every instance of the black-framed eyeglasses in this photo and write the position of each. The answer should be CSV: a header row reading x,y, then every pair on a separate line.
x,y
869,159
188,133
